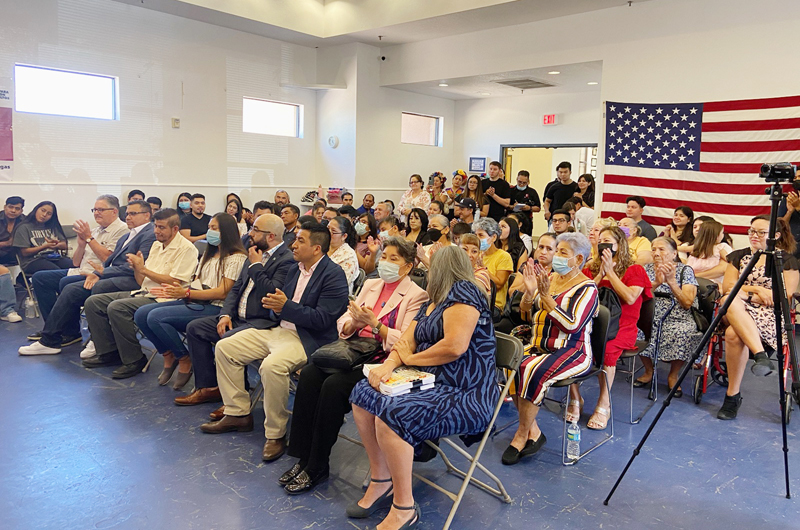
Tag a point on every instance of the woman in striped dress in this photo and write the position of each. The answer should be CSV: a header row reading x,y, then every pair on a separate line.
x,y
562,306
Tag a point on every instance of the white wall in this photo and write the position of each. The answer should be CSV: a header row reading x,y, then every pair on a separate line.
x,y
168,67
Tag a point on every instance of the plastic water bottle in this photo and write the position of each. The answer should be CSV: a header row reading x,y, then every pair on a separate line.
x,y
573,441
30,308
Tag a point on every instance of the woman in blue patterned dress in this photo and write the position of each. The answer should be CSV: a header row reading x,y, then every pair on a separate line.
x,y
452,337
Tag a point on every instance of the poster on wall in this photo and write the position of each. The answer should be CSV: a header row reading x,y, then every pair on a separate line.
x,y
6,144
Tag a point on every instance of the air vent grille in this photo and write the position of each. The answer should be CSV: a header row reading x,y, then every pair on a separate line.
x,y
524,84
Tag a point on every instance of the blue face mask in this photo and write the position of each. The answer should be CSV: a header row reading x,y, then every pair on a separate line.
x,y
522,188
184,205
213,237
484,245
561,265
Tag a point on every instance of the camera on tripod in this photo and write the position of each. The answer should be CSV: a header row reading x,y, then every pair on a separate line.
x,y
780,172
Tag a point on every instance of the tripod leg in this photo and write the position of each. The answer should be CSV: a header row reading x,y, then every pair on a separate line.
x,y
783,322
688,366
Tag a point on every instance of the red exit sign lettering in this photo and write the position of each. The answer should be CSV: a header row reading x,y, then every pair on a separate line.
x,y
550,119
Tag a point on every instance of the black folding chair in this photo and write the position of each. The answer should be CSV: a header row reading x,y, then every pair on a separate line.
x,y
645,323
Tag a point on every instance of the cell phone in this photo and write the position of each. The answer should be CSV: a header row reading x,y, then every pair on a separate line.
x,y
602,246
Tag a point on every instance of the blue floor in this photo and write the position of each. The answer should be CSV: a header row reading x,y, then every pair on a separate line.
x,y
80,450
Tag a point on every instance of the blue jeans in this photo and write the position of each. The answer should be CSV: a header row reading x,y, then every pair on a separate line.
x,y
161,322
8,298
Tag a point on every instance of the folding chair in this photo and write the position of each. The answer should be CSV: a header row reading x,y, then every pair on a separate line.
x,y
358,283
508,356
28,288
645,323
598,339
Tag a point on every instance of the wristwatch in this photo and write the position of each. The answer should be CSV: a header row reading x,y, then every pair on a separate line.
x,y
89,239
377,329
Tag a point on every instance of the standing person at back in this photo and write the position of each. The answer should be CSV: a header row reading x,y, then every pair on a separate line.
x,y
524,199
560,192
195,225
497,191
634,208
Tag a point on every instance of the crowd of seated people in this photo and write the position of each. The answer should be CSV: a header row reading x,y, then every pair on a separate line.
x,y
446,268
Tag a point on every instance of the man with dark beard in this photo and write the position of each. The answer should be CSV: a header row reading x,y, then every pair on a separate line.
x,y
269,261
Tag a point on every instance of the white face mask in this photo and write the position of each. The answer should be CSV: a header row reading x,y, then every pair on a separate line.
x,y
388,271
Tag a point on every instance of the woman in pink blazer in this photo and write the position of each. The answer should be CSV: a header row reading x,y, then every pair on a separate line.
x,y
383,310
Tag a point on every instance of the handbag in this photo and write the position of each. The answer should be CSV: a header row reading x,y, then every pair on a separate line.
x,y
608,298
345,355
704,295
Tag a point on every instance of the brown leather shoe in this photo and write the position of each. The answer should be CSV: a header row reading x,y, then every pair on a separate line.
x,y
217,414
274,449
200,395
228,424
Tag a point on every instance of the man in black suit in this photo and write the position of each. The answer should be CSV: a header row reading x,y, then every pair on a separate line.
x,y
269,262
303,319
115,275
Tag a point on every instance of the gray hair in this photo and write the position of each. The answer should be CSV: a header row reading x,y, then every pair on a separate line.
x,y
488,225
439,218
449,265
579,244
406,249
111,200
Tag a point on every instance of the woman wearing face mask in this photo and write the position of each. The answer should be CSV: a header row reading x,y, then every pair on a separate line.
x,y
497,261
614,269
439,235
417,227
383,310
511,242
414,197
184,204
389,227
471,244
216,273
367,242
640,248
561,306
343,239
675,289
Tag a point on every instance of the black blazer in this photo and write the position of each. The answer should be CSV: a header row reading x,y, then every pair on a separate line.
x,y
324,300
266,278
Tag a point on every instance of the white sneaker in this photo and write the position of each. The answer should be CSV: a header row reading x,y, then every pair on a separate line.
x,y
37,348
89,350
11,317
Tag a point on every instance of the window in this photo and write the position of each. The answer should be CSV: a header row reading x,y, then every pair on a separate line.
x,y
421,130
272,117
43,90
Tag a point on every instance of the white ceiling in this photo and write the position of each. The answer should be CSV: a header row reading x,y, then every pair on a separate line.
x,y
572,78
331,22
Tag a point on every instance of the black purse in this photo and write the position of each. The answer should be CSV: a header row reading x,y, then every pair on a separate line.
x,y
345,355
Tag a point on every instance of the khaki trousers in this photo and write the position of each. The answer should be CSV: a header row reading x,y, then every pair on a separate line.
x,y
282,354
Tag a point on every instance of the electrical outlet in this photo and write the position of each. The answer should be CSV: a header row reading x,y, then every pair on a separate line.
x,y
176,123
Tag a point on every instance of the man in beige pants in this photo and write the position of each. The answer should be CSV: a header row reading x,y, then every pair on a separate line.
x,y
305,319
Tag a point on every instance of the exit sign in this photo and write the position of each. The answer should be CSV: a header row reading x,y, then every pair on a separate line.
x,y
550,119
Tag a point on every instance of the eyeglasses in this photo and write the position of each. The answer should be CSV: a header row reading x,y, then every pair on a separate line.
x,y
101,210
133,213
759,233
254,229
336,233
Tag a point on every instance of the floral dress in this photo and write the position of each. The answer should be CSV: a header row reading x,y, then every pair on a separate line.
x,y
675,335
422,201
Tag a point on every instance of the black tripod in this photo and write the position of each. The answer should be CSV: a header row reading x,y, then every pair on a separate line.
x,y
783,323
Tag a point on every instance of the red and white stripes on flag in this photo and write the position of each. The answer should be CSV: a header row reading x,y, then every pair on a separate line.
x,y
652,151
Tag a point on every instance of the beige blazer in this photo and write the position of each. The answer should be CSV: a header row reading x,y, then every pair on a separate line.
x,y
408,297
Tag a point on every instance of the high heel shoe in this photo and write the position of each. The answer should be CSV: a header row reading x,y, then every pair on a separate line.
x,y
182,379
355,511
166,374
411,523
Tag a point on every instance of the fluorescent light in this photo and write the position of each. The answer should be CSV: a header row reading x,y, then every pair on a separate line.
x,y
554,72
485,93
442,84
592,83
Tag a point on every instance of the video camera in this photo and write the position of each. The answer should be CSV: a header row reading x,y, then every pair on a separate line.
x,y
780,172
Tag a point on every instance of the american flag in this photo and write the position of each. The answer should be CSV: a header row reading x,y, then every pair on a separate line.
x,y
703,155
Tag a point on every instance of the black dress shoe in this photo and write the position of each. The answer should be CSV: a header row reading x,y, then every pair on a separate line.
x,y
35,336
104,359
69,341
730,407
512,455
129,370
640,384
290,475
304,482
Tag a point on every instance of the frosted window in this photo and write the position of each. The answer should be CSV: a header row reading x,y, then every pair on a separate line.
x,y
272,117
43,90
421,130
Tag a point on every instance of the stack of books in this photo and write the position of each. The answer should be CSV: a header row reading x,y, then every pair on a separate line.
x,y
404,379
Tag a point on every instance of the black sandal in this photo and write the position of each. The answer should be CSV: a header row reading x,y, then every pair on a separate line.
x,y
355,511
414,520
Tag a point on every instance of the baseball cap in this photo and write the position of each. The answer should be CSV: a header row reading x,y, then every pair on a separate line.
x,y
468,203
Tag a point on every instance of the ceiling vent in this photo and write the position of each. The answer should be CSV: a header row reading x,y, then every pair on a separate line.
x,y
524,84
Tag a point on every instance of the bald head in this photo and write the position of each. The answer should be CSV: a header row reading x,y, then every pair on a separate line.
x,y
267,231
